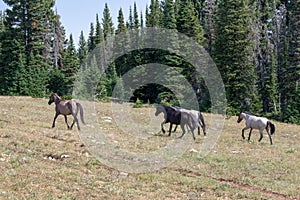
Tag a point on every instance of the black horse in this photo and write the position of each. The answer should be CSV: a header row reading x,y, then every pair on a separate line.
x,y
177,117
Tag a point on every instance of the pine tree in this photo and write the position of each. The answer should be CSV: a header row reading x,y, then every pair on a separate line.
x,y
264,49
232,53
121,23
30,23
82,48
12,64
107,23
57,82
99,34
153,16
147,16
39,17
292,69
37,75
2,27
91,40
111,77
58,42
169,18
141,20
169,22
89,75
135,17
187,21
129,24
121,44
281,45
207,12
71,64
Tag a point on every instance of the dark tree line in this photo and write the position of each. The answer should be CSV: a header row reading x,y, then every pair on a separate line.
x,y
255,45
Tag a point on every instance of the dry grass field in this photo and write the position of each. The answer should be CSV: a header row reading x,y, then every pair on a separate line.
x,y
38,162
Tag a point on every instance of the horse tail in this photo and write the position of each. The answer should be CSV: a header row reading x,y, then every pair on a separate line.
x,y
272,127
201,120
81,112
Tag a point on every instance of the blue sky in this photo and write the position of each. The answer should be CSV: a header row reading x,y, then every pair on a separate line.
x,y
76,15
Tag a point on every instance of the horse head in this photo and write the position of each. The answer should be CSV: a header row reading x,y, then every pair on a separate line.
x,y
52,98
240,117
159,109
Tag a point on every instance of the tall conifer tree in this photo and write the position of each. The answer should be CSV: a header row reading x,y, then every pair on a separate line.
x,y
91,40
30,23
232,53
58,42
135,17
99,33
154,14
107,23
188,22
292,70
264,53
82,48
71,64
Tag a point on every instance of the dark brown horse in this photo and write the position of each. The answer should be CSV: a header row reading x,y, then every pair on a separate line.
x,y
66,107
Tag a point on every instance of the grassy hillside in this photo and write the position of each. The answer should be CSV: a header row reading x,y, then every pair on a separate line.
x,y
37,162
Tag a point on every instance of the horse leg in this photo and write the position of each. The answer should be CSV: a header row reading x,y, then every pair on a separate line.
x,y
192,130
183,130
204,131
56,115
162,127
175,129
261,135
76,120
72,124
202,124
270,137
243,136
66,120
170,129
249,134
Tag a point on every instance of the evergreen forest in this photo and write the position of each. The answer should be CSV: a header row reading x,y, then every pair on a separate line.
x,y
254,44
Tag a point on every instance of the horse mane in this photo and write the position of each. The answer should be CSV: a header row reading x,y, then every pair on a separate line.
x,y
57,97
55,94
